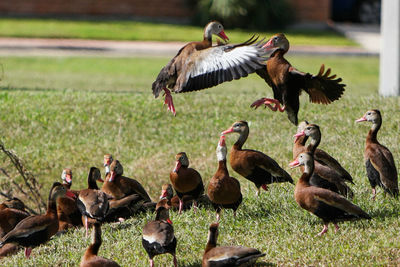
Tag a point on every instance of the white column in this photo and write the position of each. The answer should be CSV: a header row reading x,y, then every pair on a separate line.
x,y
389,80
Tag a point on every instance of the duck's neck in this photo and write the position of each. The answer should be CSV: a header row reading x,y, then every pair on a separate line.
x,y
93,249
51,207
212,241
92,184
207,36
314,142
222,168
279,53
305,177
241,140
372,134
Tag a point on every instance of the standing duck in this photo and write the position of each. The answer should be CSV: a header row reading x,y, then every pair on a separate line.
x,y
90,258
38,229
379,162
67,211
119,186
288,82
328,173
227,256
158,236
91,202
223,190
325,204
252,164
199,65
186,181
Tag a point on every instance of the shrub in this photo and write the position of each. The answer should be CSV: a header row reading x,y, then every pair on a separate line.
x,y
247,14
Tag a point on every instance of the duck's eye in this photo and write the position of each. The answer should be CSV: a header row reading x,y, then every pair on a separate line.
x,y
369,113
275,38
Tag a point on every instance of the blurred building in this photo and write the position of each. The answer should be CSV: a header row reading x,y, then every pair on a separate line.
x,y
306,10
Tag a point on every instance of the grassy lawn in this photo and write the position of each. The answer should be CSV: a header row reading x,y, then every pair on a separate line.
x,y
58,112
145,31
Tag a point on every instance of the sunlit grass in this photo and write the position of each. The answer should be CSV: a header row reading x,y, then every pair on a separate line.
x,y
147,31
58,112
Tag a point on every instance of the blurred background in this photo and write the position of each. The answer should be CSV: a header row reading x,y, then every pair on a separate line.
x,y
249,14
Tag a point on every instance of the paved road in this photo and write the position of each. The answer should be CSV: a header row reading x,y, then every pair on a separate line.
x,y
77,47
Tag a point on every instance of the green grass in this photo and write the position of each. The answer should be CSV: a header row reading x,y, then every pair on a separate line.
x,y
59,112
146,31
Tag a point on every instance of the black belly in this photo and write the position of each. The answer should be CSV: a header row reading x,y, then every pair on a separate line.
x,y
233,206
155,248
260,176
317,181
373,175
33,240
332,214
195,193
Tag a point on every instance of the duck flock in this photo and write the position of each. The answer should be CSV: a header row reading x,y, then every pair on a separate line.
x,y
323,188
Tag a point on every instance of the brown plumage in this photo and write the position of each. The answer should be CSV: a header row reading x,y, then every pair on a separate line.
x,y
252,164
90,258
379,162
199,65
185,180
171,201
158,236
35,230
14,203
223,190
287,82
119,186
10,216
67,210
326,204
91,202
328,173
227,256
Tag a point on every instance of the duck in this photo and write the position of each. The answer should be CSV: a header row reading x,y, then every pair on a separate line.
x,y
171,201
379,162
328,172
199,65
68,213
12,211
323,203
90,258
118,186
91,202
227,256
252,164
186,181
108,159
13,203
38,229
223,190
287,82
158,236
9,218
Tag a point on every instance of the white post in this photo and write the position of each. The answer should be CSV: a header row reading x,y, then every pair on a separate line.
x,y
389,80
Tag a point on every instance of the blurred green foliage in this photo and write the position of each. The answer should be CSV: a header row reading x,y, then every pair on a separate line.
x,y
248,14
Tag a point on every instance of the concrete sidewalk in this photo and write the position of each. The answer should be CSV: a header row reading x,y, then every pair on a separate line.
x,y
106,48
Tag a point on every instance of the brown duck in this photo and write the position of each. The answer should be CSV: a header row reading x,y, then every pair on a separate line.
x,y
38,229
223,190
328,173
252,164
199,65
325,204
90,258
227,256
287,82
379,162
186,181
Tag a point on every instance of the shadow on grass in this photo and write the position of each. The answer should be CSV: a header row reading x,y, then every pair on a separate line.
x,y
384,213
257,264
